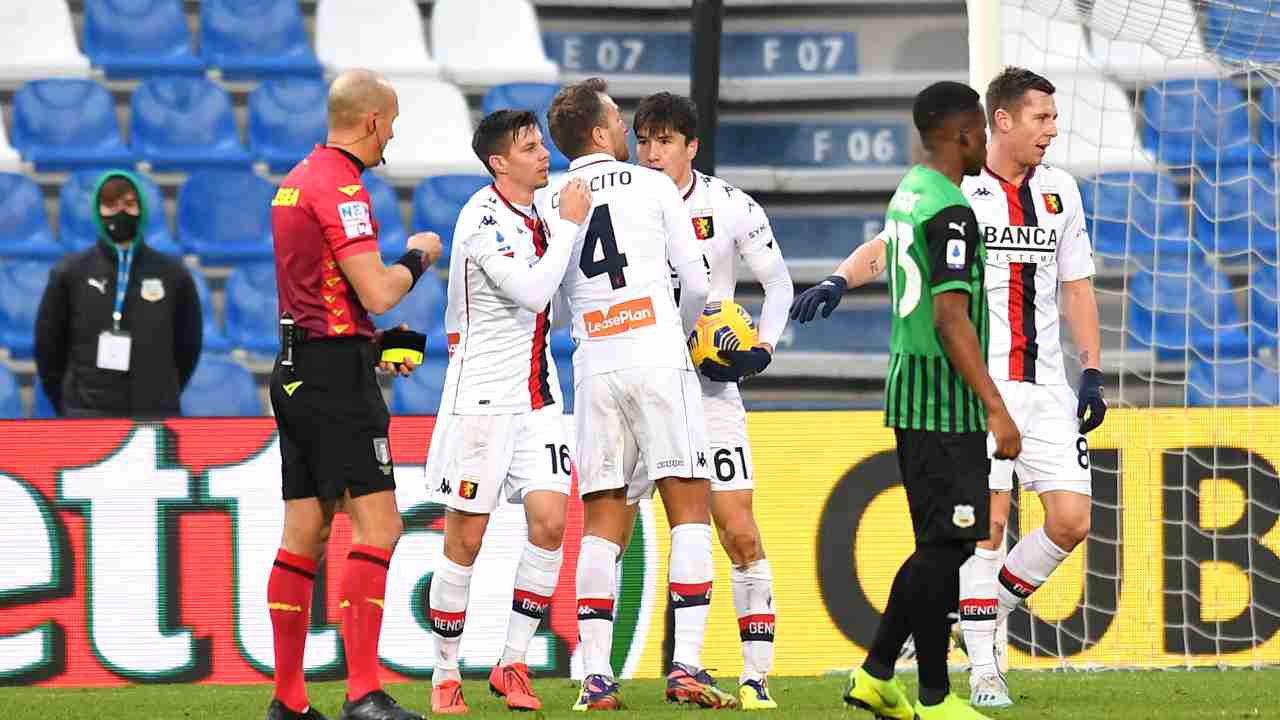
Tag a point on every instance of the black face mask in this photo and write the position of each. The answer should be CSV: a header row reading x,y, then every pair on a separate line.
x,y
122,227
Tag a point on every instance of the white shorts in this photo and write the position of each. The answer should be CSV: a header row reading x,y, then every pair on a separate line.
x,y
637,426
1055,456
476,461
727,436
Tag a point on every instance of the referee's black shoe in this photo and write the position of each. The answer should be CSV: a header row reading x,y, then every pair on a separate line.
x,y
376,705
279,711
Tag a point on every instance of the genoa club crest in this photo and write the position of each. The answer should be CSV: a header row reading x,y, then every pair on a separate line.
x,y
703,227
1053,203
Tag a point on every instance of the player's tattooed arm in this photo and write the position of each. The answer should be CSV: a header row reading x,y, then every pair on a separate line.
x,y
865,263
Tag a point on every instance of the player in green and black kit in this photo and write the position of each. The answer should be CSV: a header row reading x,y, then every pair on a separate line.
x,y
939,399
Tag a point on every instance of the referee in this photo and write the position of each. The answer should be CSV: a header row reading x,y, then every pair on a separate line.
x,y
330,414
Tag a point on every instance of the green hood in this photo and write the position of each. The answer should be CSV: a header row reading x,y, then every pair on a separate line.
x,y
144,211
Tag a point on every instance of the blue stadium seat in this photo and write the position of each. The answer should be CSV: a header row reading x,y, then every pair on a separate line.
x,y
182,123
419,394
392,234
214,340
1236,211
24,224
225,217
1269,121
255,38
850,329
1132,214
823,236
252,318
1264,313
422,309
1238,382
76,227
43,409
221,387
21,287
286,120
1174,312
437,202
1202,122
135,38
67,124
10,396
562,348
1243,30
528,96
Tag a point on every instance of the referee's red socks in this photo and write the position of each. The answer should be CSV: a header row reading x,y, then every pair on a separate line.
x,y
364,583
289,603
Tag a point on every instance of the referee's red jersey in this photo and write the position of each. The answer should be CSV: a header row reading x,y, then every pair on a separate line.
x,y
320,215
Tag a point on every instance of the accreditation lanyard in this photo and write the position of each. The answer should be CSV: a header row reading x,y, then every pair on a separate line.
x,y
123,267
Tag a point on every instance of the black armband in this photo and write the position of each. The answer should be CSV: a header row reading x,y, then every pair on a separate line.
x,y
413,261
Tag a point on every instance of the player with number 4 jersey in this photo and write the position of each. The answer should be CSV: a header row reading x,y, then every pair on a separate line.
x,y
729,224
500,433
638,406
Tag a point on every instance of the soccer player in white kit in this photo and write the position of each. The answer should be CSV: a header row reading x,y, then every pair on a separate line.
x,y
501,407
730,225
637,399
1033,225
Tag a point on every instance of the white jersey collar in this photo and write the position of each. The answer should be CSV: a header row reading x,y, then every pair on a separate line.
x,y
591,159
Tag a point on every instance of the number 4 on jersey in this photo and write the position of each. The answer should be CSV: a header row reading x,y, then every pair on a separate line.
x,y
600,232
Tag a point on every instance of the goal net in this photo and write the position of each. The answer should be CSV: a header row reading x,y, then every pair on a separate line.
x,y
1168,121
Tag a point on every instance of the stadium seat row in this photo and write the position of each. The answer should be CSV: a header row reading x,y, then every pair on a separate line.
x,y
266,38
1144,216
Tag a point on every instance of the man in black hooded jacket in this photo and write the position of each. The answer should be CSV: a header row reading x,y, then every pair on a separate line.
x,y
103,353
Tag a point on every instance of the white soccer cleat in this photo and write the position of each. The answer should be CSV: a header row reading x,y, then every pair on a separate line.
x,y
989,691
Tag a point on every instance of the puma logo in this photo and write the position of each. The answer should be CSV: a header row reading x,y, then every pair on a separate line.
x,y
99,285
958,227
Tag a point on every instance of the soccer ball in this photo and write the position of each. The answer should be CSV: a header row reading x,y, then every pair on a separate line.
x,y
723,325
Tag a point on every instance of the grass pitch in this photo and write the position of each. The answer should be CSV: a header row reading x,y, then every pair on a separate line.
x,y
1159,695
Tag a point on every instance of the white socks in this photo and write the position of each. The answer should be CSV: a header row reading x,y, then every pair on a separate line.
x,y
450,588
1029,564
978,608
536,577
753,604
691,572
597,567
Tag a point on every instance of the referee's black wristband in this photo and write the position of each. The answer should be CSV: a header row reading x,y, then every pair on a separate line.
x,y
413,261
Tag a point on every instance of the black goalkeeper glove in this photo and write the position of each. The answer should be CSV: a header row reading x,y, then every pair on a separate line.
x,y
1091,400
742,364
826,293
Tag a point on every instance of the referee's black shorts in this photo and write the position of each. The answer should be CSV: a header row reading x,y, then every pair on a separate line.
x,y
946,478
332,421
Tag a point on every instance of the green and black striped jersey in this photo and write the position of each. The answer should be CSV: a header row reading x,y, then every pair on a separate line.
x,y
933,247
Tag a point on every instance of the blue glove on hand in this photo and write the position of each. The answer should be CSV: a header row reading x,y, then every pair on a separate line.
x,y
826,293
742,364
1091,400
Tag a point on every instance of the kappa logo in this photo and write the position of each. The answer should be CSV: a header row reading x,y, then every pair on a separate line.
x,y
702,459
963,516
445,488
349,190
983,192
488,221
620,318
